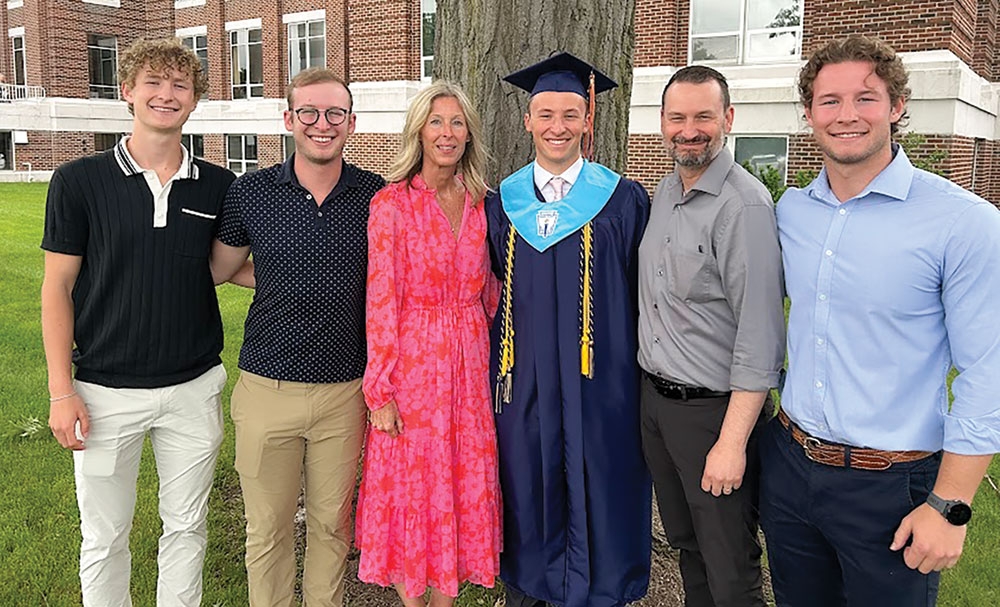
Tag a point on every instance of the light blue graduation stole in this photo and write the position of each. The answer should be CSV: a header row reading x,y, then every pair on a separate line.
x,y
543,224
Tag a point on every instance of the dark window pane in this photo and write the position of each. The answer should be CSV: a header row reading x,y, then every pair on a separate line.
x,y
256,64
235,147
317,52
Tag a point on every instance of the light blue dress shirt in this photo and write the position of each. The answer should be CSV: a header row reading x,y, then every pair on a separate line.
x,y
888,291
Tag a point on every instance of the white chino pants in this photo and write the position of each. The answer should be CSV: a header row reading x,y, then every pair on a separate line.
x,y
184,423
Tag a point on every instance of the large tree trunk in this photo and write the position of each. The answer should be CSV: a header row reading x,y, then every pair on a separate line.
x,y
478,42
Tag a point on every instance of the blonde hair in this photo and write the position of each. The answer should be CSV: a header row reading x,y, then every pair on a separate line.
x,y
317,75
409,160
160,56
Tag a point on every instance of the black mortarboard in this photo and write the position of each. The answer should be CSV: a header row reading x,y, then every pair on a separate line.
x,y
561,73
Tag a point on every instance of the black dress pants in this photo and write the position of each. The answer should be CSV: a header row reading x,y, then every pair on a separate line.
x,y
717,536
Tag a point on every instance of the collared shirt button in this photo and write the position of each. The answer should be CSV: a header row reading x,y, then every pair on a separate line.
x,y
320,213
843,211
819,340
656,339
829,253
309,196
819,384
822,296
659,271
656,306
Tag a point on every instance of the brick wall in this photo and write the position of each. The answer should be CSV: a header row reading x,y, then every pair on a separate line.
x,y
647,160
803,155
5,59
46,150
908,25
987,177
985,45
383,40
372,151
661,32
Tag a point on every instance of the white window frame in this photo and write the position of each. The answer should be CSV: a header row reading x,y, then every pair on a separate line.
x,y
426,7
114,70
187,140
243,162
292,21
18,34
111,3
743,36
192,34
241,31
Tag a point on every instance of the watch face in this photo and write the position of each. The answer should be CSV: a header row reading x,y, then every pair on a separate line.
x,y
959,514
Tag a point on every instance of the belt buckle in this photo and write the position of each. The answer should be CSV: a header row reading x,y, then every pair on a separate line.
x,y
809,443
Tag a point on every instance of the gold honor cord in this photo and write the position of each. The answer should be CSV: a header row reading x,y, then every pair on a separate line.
x,y
503,389
502,395
586,302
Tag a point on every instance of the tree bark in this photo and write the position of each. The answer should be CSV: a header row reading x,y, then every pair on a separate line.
x,y
478,42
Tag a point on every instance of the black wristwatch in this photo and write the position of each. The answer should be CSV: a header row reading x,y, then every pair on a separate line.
x,y
955,512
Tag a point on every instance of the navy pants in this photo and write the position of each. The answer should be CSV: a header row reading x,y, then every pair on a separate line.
x,y
828,529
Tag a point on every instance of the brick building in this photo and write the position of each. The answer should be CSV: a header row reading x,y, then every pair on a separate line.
x,y
61,57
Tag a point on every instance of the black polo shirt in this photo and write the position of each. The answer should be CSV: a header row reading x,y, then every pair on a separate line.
x,y
144,305
307,319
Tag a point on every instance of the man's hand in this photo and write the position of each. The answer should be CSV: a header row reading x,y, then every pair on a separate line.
x,y
63,416
936,545
387,419
724,468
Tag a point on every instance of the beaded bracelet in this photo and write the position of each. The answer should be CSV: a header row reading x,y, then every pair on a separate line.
x,y
63,397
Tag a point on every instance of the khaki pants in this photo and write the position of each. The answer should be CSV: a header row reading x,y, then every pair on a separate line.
x,y
280,426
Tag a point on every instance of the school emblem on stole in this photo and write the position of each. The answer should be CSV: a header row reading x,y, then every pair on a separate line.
x,y
546,222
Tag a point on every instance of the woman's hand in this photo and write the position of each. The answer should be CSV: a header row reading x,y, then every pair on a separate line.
x,y
387,419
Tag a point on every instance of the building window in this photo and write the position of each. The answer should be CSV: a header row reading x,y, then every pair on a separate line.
x,y
428,10
759,152
103,54
241,153
20,77
745,31
306,45
199,44
195,145
105,141
288,145
248,63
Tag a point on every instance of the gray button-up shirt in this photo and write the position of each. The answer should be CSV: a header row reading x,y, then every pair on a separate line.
x,y
711,297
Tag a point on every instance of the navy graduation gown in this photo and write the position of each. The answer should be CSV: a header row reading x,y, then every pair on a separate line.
x,y
576,491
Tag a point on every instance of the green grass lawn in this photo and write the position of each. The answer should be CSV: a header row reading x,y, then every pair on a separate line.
x,y
39,523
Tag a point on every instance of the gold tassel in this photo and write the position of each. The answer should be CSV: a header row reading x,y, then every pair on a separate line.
x,y
502,395
586,302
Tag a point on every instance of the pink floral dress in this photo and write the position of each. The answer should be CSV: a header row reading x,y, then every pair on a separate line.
x,y
429,508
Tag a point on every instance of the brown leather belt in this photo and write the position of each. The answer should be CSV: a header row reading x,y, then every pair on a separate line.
x,y
845,456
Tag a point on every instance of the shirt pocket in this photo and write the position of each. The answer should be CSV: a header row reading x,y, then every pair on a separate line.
x,y
690,269
195,230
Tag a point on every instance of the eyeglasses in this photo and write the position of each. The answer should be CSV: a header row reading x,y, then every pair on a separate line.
x,y
310,115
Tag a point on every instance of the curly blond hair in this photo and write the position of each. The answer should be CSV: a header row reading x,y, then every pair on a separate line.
x,y
160,56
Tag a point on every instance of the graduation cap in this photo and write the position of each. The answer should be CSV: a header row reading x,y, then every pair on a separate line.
x,y
564,73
